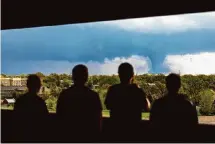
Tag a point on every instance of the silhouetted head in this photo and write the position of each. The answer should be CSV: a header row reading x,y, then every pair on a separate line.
x,y
126,72
80,74
33,83
173,83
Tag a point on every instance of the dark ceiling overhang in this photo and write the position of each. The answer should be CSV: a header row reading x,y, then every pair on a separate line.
x,y
25,14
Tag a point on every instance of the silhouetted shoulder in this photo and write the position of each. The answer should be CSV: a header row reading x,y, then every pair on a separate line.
x,y
184,97
77,94
64,93
94,96
91,91
27,99
157,109
30,104
135,86
21,98
114,87
161,100
157,105
112,90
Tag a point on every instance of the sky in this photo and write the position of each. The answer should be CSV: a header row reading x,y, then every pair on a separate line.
x,y
178,43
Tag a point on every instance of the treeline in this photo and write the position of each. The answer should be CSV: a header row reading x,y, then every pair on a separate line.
x,y
198,88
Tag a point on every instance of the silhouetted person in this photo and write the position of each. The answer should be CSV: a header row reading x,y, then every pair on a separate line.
x,y
79,109
30,113
126,102
173,115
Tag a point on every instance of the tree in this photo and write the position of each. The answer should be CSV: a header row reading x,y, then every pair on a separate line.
x,y
159,78
55,91
23,75
65,76
102,95
39,74
46,95
161,88
65,83
206,102
51,103
52,80
105,81
3,75
212,86
94,80
192,86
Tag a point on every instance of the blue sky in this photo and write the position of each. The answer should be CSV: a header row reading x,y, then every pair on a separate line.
x,y
184,43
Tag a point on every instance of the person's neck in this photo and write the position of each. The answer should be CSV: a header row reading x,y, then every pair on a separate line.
x,y
32,92
172,93
125,83
79,85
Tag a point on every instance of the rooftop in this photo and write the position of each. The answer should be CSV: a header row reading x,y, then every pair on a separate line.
x,y
10,100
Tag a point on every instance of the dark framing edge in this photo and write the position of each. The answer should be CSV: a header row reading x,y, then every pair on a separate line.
x,y
26,14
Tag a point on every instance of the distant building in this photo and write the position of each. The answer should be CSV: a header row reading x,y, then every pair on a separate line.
x,y
16,82
13,81
6,81
8,101
19,81
23,81
6,91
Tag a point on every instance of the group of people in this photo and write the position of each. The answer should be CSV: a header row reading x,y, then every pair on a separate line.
x,y
79,110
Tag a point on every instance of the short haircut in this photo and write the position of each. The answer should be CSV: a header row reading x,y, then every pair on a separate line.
x,y
33,82
125,71
80,73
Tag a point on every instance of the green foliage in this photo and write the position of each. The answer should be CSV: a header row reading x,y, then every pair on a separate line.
x,y
65,83
51,103
55,91
3,75
52,80
154,90
198,111
23,75
106,81
46,95
102,94
192,86
206,102
41,75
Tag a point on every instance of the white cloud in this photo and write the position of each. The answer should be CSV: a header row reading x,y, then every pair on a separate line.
x,y
140,64
167,24
202,63
108,67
